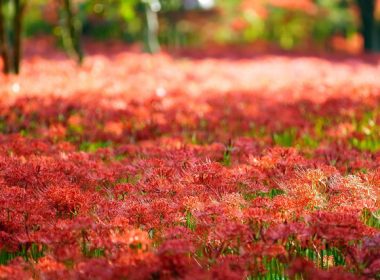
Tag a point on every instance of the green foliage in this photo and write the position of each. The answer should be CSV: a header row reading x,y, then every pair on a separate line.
x,y
320,124
285,138
369,132
190,221
371,219
132,179
126,20
93,253
307,141
325,258
337,19
93,146
227,154
367,144
275,270
34,23
287,28
27,252
270,194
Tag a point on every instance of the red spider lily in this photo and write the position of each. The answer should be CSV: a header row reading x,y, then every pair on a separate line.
x,y
309,271
176,173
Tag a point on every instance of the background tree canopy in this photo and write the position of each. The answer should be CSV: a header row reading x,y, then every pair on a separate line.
x,y
174,24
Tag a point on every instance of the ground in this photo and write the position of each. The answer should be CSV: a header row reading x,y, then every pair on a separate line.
x,y
221,165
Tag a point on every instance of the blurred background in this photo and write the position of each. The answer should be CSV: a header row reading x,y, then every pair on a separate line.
x,y
349,26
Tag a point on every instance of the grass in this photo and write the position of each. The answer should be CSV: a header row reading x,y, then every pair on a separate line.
x,y
131,179
325,258
369,143
92,147
371,219
270,194
227,154
32,252
190,222
285,138
275,270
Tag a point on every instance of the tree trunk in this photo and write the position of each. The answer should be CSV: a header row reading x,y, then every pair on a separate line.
x,y
3,41
367,15
17,27
151,30
73,31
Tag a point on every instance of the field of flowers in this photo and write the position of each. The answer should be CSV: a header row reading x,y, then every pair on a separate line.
x,y
207,166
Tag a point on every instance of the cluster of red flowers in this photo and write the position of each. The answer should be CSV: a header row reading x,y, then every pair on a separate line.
x,y
154,167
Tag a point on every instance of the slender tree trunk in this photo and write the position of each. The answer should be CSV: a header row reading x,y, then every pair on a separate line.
x,y
151,29
17,27
3,41
367,14
73,30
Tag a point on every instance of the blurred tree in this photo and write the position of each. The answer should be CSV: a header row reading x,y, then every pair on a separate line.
x,y
176,23
367,15
3,40
11,27
19,7
11,44
151,8
71,33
